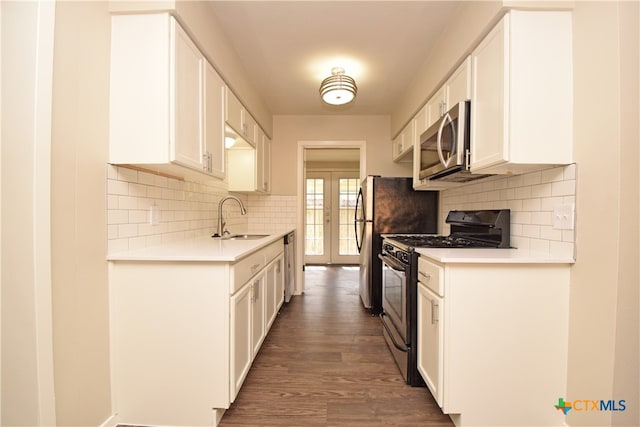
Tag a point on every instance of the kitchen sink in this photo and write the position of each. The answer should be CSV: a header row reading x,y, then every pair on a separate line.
x,y
244,237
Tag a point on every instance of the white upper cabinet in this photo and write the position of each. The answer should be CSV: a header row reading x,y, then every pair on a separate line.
x,y
249,167
186,106
521,112
158,99
239,119
459,85
403,144
214,122
436,106
456,89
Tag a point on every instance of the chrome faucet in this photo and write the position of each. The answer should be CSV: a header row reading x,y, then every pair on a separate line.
x,y
222,231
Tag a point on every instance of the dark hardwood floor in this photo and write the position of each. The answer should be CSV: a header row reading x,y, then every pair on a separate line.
x,y
325,363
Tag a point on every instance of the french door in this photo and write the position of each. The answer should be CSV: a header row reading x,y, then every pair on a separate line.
x,y
329,211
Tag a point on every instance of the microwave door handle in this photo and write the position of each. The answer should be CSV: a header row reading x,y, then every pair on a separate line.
x,y
445,119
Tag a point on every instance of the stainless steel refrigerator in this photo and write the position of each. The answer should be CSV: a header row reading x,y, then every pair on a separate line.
x,y
385,206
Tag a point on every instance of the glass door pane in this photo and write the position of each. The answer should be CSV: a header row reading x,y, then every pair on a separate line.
x,y
347,204
314,213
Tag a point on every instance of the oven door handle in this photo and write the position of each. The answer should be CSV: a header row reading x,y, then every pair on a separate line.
x,y
400,347
393,263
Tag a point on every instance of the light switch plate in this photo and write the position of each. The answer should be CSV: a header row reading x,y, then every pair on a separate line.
x,y
563,217
154,215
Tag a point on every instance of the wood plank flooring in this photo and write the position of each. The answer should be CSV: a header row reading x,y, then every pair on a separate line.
x,y
325,363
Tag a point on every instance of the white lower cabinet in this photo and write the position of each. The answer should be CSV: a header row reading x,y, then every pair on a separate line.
x,y
241,344
184,334
430,353
258,310
492,340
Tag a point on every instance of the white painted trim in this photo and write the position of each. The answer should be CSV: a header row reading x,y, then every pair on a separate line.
x,y
112,421
42,211
302,145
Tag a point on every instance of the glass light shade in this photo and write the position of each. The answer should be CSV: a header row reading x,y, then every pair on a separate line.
x,y
338,89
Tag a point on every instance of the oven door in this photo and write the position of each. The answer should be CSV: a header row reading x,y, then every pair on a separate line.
x,y
394,298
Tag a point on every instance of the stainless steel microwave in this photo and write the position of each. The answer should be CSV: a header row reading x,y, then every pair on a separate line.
x,y
444,147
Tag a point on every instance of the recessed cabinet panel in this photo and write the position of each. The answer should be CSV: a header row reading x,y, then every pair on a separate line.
x,y
488,110
459,85
215,152
139,89
187,108
430,334
241,343
233,112
258,307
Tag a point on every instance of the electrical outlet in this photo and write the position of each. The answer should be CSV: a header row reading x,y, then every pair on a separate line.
x,y
563,217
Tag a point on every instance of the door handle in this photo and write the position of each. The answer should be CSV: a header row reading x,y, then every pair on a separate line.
x,y
434,312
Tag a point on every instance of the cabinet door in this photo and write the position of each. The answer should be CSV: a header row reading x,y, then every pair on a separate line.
x,y
233,111
241,343
258,301
459,84
490,102
279,279
436,105
430,341
263,157
270,279
214,90
187,81
266,165
249,127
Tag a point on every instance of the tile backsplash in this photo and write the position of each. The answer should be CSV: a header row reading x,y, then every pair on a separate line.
x,y
190,209
268,213
186,209
531,198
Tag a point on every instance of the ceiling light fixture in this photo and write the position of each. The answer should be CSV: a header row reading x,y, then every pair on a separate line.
x,y
338,89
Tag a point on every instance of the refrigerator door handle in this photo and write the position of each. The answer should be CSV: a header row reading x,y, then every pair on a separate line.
x,y
357,220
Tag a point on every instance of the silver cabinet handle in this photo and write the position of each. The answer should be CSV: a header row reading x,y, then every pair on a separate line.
x,y
256,290
434,312
254,267
425,275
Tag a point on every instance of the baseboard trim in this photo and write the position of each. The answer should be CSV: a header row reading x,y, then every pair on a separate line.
x,y
112,421
218,413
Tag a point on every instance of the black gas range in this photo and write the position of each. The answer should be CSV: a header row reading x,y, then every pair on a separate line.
x,y
469,229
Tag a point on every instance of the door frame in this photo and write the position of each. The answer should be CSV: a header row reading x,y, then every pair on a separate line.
x,y
300,192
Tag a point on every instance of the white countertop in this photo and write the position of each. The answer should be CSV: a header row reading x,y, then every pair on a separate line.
x,y
491,256
204,248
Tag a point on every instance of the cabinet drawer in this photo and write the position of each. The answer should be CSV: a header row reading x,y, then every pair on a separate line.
x,y
244,269
431,275
273,250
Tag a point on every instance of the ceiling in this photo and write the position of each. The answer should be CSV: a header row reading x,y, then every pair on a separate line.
x,y
288,47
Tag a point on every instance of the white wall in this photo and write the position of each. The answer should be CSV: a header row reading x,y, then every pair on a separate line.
x,y
288,130
27,361
78,208
603,329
